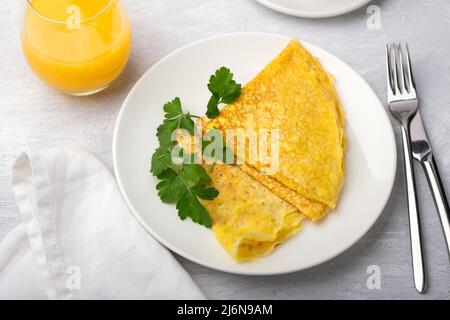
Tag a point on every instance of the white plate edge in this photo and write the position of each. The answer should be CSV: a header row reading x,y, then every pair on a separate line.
x,y
307,14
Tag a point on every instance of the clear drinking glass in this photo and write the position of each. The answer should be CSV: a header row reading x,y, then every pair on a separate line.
x,y
76,46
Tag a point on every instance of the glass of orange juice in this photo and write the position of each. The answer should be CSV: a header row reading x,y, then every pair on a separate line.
x,y
76,46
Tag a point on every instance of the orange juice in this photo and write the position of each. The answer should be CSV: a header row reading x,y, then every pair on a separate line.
x,y
76,46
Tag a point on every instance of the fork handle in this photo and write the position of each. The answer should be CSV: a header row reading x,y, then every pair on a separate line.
x,y
434,180
414,219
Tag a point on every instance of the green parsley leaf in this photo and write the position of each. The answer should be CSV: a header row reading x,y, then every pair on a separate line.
x,y
172,108
213,107
161,160
174,119
224,90
222,84
195,173
171,188
174,188
187,123
203,192
187,183
190,206
164,133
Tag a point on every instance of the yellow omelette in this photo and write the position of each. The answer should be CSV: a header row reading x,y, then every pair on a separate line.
x,y
254,211
295,95
248,219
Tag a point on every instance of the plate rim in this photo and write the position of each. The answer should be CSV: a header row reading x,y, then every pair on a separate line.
x,y
214,266
309,14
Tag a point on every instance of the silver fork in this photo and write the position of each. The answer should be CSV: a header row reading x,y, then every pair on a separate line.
x,y
403,104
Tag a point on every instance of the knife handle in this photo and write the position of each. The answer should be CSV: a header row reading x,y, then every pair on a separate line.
x,y
434,180
420,279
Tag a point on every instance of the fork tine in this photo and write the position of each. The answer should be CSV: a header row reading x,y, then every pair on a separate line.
x,y
392,55
400,72
406,73
388,70
408,70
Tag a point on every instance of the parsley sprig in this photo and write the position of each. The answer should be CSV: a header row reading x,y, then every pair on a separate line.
x,y
185,184
223,89
184,187
174,119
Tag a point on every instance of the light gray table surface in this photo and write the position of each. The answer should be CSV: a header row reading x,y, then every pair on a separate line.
x,y
35,116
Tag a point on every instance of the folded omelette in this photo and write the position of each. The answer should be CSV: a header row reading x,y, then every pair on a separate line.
x,y
295,95
248,219
256,211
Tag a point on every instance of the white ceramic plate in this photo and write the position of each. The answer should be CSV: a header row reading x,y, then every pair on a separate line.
x,y
370,161
314,8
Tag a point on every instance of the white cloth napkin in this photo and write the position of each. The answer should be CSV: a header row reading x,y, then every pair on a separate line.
x,y
77,239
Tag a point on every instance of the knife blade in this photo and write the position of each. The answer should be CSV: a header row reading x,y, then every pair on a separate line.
x,y
420,145
421,151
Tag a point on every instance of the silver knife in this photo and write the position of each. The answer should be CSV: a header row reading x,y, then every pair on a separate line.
x,y
421,150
